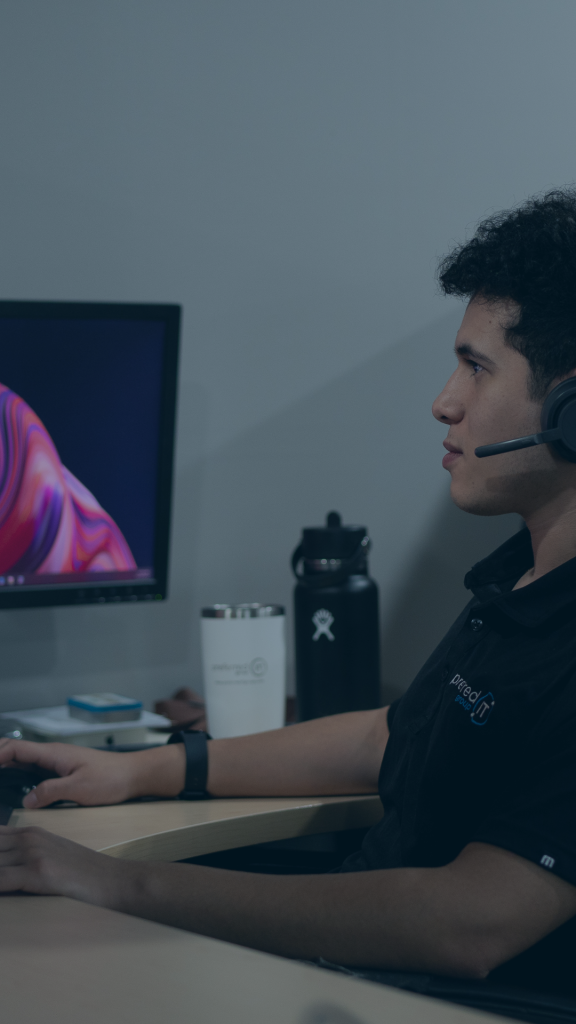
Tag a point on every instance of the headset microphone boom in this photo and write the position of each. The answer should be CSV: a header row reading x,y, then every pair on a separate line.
x,y
558,422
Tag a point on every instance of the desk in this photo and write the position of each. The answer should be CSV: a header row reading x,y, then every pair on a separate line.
x,y
177,829
62,962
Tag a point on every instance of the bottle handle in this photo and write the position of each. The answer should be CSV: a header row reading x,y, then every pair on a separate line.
x,y
331,578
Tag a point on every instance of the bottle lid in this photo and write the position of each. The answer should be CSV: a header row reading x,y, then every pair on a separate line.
x,y
241,611
332,540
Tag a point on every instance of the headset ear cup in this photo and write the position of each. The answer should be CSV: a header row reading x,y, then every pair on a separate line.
x,y
559,410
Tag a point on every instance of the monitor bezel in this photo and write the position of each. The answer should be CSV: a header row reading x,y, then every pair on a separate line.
x,y
132,591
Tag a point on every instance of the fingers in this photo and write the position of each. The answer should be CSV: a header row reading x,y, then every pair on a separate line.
x,y
10,853
6,750
11,834
46,793
16,845
14,879
36,861
66,760
26,752
7,834
10,859
27,859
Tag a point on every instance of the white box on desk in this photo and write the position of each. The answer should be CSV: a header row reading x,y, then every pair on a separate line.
x,y
55,725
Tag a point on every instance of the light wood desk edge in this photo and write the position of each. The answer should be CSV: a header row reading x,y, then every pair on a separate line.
x,y
176,830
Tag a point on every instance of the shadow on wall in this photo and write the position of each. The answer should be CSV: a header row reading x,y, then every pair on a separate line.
x,y
434,593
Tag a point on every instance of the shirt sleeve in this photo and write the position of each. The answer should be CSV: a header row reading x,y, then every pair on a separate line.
x,y
537,818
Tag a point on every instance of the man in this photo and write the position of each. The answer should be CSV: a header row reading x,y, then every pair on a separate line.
x,y
472,870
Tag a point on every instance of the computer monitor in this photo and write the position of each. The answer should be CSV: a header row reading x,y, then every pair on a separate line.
x,y
87,411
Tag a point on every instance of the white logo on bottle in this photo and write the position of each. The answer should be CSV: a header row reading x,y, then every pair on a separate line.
x,y
322,619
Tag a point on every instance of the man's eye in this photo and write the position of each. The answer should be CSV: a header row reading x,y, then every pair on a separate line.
x,y
475,367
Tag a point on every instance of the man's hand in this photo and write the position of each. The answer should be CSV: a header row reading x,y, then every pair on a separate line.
x,y
339,754
92,777
35,861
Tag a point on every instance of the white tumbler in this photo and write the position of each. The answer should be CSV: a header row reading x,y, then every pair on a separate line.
x,y
244,660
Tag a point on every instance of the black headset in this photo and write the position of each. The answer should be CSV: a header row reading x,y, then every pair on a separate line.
x,y
558,422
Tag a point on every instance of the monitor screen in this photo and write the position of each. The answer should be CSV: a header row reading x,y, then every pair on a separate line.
x,y
87,410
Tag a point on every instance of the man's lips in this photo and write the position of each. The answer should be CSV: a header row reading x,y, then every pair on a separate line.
x,y
453,454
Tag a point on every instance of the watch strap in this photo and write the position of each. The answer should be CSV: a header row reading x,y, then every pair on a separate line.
x,y
196,747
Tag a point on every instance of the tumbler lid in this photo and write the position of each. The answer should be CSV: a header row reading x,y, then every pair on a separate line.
x,y
241,611
332,540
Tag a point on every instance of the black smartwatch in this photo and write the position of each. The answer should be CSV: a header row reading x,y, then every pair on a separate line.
x,y
196,747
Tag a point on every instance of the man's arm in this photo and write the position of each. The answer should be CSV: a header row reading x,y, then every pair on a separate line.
x,y
339,754
463,919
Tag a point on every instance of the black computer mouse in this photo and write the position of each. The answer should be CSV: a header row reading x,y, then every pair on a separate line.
x,y
16,781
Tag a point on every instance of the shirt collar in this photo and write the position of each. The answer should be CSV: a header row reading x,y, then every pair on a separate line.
x,y
492,579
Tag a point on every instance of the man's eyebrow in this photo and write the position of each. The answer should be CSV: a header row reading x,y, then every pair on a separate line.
x,y
464,349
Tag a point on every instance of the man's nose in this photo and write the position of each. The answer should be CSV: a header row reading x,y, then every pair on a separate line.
x,y
448,407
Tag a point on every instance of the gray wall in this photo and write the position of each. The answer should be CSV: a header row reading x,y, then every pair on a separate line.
x,y
290,172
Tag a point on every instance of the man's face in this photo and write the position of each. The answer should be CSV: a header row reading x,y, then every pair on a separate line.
x,y
487,400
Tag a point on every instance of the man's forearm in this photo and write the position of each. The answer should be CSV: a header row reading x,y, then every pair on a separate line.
x,y
385,919
462,919
339,754
366,918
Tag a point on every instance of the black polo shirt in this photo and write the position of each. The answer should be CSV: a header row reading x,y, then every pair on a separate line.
x,y
483,744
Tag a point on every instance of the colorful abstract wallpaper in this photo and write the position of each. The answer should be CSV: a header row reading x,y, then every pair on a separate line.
x,y
80,430
50,523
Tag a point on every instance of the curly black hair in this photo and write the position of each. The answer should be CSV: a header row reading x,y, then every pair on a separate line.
x,y
528,255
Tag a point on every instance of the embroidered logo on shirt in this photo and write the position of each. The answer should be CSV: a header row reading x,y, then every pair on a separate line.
x,y
547,861
479,705
482,708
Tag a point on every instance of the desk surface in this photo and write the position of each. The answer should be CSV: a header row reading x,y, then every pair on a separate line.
x,y
62,961
177,829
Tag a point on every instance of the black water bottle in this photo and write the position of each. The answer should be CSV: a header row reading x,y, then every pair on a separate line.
x,y
336,621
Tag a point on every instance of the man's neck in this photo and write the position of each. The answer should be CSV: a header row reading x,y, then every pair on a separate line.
x,y
553,533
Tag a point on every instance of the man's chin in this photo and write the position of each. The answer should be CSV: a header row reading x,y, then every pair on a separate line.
x,y
478,503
